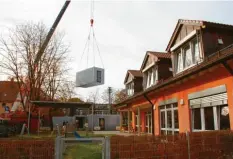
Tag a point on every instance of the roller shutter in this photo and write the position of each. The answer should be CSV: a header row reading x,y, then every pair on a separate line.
x,y
209,101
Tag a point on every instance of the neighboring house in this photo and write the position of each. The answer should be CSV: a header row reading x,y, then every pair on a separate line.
x,y
133,82
8,93
199,96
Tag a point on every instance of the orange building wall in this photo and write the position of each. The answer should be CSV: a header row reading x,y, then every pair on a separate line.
x,y
133,120
208,79
203,82
143,121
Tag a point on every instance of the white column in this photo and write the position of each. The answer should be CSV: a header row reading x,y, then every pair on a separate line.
x,y
215,118
202,119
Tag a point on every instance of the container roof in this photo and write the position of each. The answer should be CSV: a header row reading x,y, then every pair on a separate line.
x,y
62,104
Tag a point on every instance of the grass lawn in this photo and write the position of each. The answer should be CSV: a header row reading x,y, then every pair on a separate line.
x,y
84,151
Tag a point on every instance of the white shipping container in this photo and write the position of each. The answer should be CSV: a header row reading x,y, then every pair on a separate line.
x,y
90,77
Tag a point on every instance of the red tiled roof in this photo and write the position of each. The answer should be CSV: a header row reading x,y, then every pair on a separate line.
x,y
135,73
203,22
8,91
160,54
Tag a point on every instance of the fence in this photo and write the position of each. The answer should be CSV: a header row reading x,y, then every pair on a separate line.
x,y
61,143
27,148
199,145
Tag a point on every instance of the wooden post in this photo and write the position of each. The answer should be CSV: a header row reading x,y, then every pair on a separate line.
x,y
121,121
139,121
128,121
38,131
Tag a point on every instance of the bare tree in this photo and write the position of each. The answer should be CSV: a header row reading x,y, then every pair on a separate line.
x,y
120,95
107,96
66,91
93,97
19,50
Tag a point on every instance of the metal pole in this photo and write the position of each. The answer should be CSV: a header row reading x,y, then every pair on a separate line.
x,y
58,130
29,117
107,148
109,99
92,118
22,130
188,141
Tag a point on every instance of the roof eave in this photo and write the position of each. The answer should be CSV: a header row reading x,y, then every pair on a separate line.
x,y
210,63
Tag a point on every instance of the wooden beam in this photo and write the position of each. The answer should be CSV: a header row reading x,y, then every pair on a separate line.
x,y
229,69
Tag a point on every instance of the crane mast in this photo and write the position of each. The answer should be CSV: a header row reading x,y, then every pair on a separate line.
x,y
51,31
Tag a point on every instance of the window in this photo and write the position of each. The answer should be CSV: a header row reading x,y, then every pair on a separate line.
x,y
197,118
151,77
169,120
210,118
196,52
187,56
179,62
99,76
130,88
223,118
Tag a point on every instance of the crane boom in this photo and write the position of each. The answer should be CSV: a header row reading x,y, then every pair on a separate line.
x,y
51,31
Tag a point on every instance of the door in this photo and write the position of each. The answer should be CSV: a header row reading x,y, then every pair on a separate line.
x,y
102,123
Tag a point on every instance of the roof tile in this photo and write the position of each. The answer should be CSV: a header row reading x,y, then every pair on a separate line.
x,y
135,73
160,54
8,91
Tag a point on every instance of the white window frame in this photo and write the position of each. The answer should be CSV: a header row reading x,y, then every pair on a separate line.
x,y
149,120
151,77
215,116
181,51
173,129
130,88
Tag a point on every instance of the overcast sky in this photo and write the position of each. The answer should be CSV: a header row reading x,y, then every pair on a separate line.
x,y
125,30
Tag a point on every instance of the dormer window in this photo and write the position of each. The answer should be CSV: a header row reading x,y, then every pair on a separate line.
x,y
151,77
187,56
133,82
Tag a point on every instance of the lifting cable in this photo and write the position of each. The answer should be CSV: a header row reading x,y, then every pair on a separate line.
x,y
91,36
